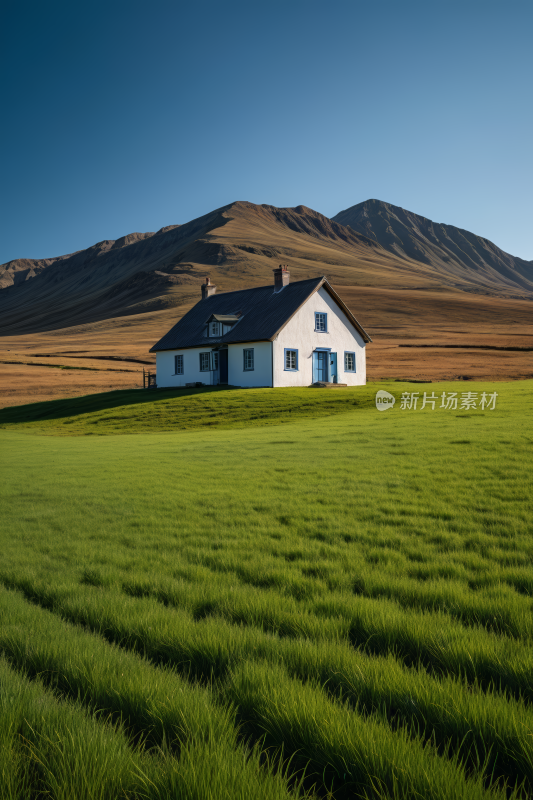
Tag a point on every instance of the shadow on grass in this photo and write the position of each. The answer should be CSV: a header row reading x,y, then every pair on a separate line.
x,y
91,403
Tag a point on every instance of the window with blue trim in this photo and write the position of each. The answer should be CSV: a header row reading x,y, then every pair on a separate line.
x,y
205,362
349,362
321,322
214,356
291,360
178,365
248,358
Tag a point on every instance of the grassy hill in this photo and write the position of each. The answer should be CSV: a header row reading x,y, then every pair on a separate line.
x,y
137,411
334,606
174,410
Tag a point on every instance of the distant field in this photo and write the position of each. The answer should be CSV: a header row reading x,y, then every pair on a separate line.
x,y
267,594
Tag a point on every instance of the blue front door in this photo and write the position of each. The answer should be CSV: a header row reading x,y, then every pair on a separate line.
x,y
320,366
333,368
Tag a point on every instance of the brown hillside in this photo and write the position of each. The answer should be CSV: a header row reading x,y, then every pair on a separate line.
x,y
454,254
238,245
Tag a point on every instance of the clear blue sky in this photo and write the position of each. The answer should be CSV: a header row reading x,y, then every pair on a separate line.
x,y
128,116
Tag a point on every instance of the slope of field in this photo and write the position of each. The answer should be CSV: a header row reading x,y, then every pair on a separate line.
x,y
128,412
349,595
122,412
452,252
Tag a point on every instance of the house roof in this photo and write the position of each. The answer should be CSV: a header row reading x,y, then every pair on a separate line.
x,y
262,313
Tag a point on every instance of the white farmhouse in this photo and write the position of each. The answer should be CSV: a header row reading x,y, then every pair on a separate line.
x,y
288,334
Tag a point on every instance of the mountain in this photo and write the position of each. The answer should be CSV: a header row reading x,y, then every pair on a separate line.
x,y
238,245
372,244
449,250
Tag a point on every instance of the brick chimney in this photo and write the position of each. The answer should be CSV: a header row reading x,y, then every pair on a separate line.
x,y
208,288
282,277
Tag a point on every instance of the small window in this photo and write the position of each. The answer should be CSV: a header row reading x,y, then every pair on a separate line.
x,y
205,362
214,329
178,365
215,359
248,359
349,362
321,322
291,360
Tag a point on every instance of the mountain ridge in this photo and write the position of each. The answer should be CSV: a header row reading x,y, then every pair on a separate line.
x,y
411,235
370,244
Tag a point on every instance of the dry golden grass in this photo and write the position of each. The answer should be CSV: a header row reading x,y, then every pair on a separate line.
x,y
396,317
27,384
125,338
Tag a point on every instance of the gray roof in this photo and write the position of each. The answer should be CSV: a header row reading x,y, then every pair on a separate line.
x,y
262,314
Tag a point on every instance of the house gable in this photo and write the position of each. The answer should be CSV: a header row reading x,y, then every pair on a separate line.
x,y
324,285
320,332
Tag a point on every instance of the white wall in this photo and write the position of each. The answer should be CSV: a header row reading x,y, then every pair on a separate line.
x,y
261,375
299,334
191,367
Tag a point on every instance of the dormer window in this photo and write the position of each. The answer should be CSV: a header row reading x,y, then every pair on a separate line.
x,y
218,325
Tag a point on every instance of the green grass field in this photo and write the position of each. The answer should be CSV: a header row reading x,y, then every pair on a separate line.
x,y
267,594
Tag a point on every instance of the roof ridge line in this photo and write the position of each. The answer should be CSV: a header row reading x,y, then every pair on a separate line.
x,y
265,286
